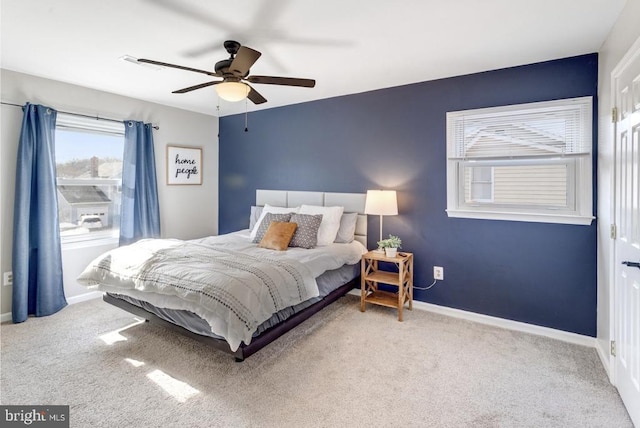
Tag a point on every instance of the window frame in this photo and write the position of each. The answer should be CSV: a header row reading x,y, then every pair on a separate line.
x,y
579,209
71,122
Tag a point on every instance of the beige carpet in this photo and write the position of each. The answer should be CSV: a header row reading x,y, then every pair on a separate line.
x,y
341,368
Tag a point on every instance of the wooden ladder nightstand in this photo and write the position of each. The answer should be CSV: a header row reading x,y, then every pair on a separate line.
x,y
371,276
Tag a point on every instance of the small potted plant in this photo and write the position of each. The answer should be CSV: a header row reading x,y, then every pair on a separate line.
x,y
390,245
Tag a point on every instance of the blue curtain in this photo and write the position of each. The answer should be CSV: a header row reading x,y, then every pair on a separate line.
x,y
140,216
37,257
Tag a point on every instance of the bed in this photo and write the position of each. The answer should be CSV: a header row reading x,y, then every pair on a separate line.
x,y
227,291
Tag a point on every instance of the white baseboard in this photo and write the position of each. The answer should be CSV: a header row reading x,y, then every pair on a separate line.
x,y
71,300
84,297
552,333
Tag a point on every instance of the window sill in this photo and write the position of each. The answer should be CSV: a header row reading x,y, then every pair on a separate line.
x,y
527,217
90,243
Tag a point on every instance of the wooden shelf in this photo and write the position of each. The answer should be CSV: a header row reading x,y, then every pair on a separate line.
x,y
383,298
371,276
384,277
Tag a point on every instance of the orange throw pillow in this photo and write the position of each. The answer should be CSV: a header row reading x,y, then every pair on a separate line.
x,y
278,235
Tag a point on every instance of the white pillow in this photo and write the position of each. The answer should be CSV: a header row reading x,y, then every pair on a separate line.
x,y
256,212
330,221
346,232
270,209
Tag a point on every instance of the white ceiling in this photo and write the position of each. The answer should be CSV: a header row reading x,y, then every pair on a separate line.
x,y
348,46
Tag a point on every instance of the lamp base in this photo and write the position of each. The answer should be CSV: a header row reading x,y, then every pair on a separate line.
x,y
378,250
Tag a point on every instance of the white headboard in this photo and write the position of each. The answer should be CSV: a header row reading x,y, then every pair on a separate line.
x,y
352,203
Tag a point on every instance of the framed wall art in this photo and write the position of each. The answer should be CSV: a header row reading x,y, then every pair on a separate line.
x,y
184,165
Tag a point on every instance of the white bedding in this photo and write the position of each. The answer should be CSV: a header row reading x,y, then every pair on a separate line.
x,y
240,304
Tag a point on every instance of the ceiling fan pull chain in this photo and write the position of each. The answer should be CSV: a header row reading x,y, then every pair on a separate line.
x,y
246,116
218,110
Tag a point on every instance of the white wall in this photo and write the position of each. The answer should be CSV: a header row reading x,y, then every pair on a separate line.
x,y
623,34
185,211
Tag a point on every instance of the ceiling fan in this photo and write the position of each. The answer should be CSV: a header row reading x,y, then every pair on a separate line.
x,y
234,72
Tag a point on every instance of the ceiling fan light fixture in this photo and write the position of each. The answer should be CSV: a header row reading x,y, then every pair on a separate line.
x,y
232,91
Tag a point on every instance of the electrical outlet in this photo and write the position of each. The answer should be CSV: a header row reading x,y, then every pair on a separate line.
x,y
8,278
438,273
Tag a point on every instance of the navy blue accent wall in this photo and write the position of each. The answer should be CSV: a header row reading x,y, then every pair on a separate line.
x,y
543,274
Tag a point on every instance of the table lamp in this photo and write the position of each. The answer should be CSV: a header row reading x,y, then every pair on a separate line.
x,y
381,202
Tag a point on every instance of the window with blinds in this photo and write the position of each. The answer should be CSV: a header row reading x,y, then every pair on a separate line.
x,y
529,162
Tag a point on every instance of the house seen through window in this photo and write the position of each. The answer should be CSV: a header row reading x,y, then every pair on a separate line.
x,y
89,177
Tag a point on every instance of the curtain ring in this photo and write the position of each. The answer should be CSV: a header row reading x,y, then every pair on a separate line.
x,y
48,111
130,123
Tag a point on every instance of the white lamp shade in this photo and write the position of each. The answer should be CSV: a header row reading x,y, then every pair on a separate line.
x,y
381,202
232,91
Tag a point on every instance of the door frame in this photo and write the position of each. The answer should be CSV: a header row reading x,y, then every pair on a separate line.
x,y
631,55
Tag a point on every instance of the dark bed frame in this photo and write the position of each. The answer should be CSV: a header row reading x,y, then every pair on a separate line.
x,y
257,342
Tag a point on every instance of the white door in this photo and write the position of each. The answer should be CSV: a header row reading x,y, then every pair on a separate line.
x,y
627,244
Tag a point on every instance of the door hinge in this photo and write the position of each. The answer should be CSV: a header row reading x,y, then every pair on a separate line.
x,y
613,348
614,115
613,231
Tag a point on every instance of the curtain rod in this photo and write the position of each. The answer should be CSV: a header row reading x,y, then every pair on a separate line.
x,y
156,127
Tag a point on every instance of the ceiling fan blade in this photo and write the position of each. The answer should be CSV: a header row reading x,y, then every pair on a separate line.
x,y
255,96
193,88
286,81
243,61
180,67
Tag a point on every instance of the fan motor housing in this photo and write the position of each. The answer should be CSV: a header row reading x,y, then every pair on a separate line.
x,y
222,66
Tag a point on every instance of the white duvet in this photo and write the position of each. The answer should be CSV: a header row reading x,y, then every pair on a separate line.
x,y
227,280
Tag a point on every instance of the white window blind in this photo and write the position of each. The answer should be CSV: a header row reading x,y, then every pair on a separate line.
x,y
73,122
528,162
545,129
